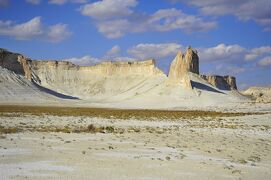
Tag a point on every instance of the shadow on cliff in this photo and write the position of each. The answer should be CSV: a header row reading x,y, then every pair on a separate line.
x,y
54,93
204,87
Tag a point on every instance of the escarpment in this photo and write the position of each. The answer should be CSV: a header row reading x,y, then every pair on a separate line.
x,y
183,64
221,82
109,79
15,62
259,94
104,79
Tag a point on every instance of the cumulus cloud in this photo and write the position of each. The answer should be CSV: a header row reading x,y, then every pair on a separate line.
x,y
113,51
58,32
115,18
147,51
233,56
115,28
61,2
228,69
259,10
107,9
161,21
123,58
266,61
86,60
34,29
222,52
35,2
171,19
257,52
4,3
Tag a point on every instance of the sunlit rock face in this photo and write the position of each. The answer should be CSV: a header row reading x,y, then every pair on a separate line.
x,y
259,94
104,79
109,79
181,66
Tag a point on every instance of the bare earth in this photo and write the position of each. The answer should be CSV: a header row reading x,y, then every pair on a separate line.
x,y
204,147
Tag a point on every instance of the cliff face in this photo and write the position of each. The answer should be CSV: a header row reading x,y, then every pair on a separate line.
x,y
142,68
105,78
65,77
259,94
221,82
182,65
112,78
12,61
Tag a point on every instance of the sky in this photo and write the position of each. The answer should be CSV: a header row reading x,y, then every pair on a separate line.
x,y
232,37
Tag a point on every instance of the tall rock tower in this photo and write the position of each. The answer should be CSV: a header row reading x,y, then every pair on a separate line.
x,y
182,65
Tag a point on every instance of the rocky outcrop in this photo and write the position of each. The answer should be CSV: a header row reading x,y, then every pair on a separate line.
x,y
112,78
221,82
104,79
109,68
182,65
27,67
12,61
259,94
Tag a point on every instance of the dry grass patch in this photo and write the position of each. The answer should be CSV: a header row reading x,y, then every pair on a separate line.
x,y
9,130
114,113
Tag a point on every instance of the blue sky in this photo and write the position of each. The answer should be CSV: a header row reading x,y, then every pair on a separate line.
x,y
232,37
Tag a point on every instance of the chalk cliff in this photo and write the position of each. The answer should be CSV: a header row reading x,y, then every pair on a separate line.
x,y
104,79
13,61
221,82
259,94
116,79
181,66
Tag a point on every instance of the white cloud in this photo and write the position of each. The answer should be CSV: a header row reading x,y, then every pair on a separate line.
x,y
84,61
23,31
61,2
161,21
115,18
146,51
171,19
258,11
257,52
88,60
114,29
228,69
266,61
34,29
107,9
4,3
79,1
113,51
121,58
58,32
35,2
222,52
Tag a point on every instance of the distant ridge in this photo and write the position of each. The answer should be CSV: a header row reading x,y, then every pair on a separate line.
x,y
138,83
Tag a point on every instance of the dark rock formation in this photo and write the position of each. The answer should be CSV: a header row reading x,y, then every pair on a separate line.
x,y
221,82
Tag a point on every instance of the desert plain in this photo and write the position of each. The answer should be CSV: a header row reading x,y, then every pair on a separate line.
x,y
88,143
129,120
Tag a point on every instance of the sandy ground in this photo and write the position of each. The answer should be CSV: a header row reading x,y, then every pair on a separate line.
x,y
202,148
